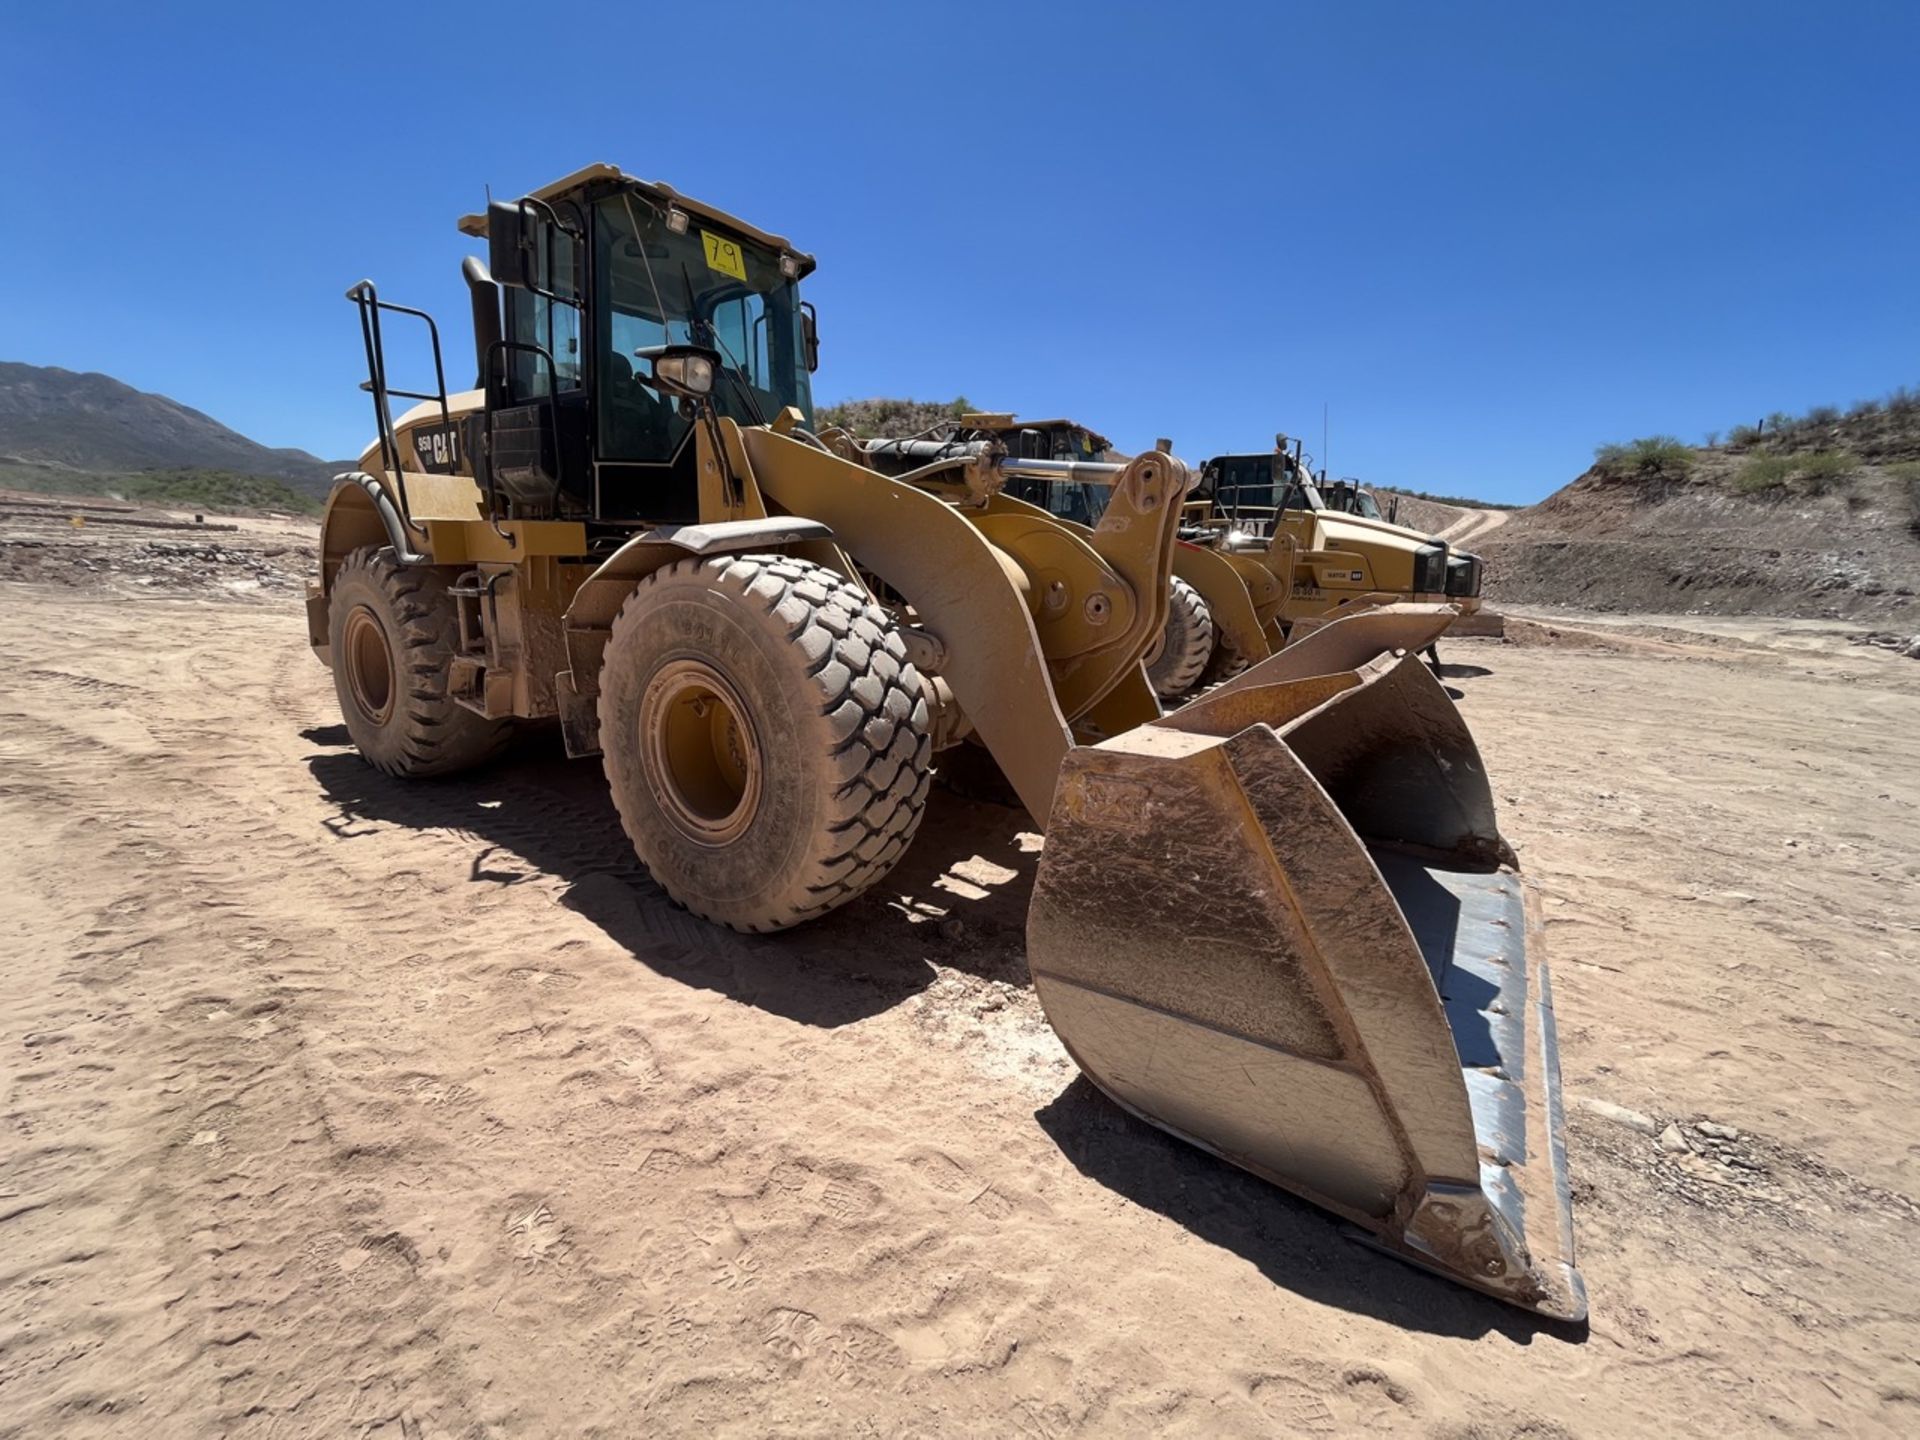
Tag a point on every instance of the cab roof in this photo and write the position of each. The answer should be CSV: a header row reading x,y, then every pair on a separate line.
x,y
613,175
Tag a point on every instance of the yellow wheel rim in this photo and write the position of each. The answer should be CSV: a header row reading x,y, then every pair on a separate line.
x,y
700,751
370,667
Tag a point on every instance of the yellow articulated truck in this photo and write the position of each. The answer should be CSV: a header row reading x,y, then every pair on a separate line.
x,y
1342,554
1281,923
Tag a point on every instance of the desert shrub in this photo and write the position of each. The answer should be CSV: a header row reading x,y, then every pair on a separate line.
x,y
1863,408
1779,422
1649,455
1825,470
1902,400
1741,436
1712,438
1817,473
1763,473
1823,415
1907,475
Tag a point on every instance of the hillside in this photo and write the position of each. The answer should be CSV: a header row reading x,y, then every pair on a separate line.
x,y
94,424
221,492
891,419
1816,517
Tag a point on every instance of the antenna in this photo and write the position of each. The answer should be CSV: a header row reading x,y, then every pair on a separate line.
x,y
1324,463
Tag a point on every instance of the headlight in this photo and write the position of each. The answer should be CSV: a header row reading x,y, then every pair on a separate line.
x,y
681,369
1430,570
1463,575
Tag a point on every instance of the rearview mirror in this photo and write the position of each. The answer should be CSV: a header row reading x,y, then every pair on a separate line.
x,y
509,244
530,251
810,335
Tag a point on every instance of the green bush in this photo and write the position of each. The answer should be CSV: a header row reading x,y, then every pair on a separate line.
x,y
1817,473
1741,436
1763,473
1825,470
1649,455
1907,473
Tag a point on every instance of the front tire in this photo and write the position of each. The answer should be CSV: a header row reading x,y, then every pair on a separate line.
x,y
766,741
1185,645
392,631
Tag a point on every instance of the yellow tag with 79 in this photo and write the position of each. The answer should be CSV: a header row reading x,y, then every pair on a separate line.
x,y
723,255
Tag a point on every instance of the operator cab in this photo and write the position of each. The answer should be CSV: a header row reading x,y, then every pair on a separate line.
x,y
609,305
599,279
1253,491
1351,498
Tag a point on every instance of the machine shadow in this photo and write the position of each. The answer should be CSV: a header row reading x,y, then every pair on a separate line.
x,y
1292,1243
536,816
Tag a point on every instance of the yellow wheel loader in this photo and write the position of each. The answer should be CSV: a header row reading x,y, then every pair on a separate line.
x,y
628,525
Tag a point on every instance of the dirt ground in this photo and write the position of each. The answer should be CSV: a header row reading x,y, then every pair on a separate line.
x,y
331,1105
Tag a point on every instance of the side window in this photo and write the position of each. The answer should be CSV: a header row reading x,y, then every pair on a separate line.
x,y
742,335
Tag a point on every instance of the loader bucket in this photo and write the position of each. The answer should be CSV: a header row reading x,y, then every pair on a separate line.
x,y
1366,628
1281,924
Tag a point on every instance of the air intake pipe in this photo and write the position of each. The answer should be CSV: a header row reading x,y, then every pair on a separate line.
x,y
485,293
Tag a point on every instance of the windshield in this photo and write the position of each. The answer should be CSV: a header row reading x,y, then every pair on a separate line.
x,y
705,287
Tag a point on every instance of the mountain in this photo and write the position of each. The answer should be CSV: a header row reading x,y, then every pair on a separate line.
x,y
93,423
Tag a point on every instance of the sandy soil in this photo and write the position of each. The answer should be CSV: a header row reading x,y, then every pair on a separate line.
x,y
330,1105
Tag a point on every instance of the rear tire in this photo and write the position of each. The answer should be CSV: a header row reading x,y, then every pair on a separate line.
x,y
766,740
1185,645
392,631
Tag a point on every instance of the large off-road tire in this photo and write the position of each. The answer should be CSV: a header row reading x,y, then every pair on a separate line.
x,y
1186,644
766,740
392,631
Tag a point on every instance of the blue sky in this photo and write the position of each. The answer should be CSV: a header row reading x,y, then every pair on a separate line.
x,y
1486,236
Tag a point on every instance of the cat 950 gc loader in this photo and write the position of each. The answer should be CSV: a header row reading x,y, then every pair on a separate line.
x,y
628,525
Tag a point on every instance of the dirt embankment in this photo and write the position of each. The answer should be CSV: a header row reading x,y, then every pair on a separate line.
x,y
1722,533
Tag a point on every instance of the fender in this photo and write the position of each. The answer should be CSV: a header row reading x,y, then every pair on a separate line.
x,y
356,503
359,512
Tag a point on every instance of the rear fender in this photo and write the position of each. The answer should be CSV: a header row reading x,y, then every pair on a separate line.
x,y
360,513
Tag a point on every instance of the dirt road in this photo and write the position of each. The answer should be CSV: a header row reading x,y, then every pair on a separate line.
x,y
334,1106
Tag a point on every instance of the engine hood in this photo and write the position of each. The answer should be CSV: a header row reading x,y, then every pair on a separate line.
x,y
1337,527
